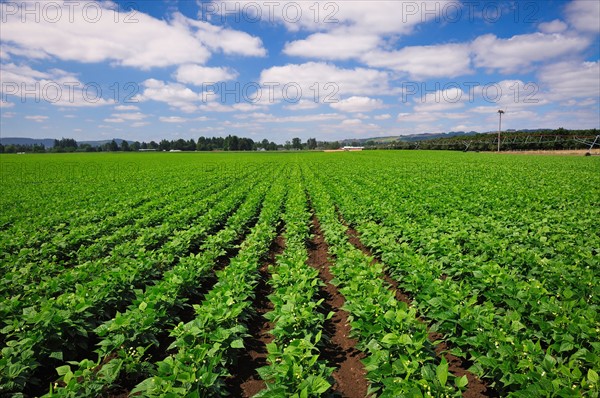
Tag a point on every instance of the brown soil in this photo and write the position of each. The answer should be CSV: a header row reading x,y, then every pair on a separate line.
x,y
122,394
339,350
476,388
244,380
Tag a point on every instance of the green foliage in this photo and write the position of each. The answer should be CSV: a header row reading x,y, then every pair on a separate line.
x,y
498,261
294,368
206,345
500,255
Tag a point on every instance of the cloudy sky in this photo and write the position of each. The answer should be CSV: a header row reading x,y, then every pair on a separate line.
x,y
144,70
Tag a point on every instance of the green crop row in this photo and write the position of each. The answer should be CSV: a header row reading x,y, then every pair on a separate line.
x,y
44,332
92,203
294,367
32,273
531,329
130,280
72,278
126,338
400,360
205,346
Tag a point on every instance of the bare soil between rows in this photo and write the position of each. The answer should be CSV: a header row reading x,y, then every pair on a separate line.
x,y
340,349
245,381
476,388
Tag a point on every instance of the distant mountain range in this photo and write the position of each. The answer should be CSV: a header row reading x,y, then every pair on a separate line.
x,y
49,142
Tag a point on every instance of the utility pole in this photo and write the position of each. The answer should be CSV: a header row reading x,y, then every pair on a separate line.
x,y
500,112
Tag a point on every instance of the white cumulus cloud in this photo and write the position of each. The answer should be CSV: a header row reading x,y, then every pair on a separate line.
x,y
556,26
37,118
422,62
172,119
175,94
336,45
323,82
54,86
104,33
358,104
441,100
199,75
584,15
570,79
521,51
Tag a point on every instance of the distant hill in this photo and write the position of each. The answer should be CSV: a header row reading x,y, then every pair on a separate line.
x,y
49,142
102,142
411,137
530,139
433,136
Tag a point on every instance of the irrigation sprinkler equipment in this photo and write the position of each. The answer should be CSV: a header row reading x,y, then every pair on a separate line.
x,y
592,144
589,152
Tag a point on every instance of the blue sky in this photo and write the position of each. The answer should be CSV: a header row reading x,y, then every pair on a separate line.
x,y
146,70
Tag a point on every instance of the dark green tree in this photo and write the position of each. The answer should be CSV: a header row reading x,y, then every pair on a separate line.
x,y
86,148
246,144
296,143
179,145
65,145
164,145
231,143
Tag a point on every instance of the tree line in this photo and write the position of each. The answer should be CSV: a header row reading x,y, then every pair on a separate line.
x,y
543,139
229,143
511,140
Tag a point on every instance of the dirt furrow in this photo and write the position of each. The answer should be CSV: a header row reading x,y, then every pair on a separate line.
x,y
340,350
476,388
245,381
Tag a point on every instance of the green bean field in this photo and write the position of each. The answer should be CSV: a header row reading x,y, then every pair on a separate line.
x,y
299,274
